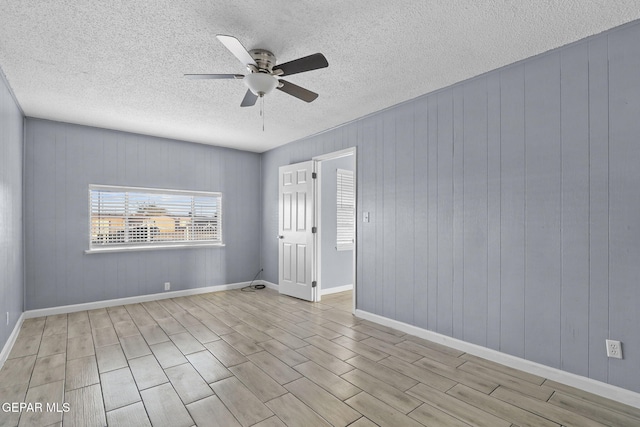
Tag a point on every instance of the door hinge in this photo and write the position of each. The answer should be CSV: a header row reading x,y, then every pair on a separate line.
x,y
314,284
314,175
314,229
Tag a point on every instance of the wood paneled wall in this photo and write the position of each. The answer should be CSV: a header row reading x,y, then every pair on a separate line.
x,y
505,210
11,240
63,159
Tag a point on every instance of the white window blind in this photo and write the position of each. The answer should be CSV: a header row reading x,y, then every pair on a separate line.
x,y
130,217
346,210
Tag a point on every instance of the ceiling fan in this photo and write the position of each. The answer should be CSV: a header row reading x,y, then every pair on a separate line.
x,y
264,74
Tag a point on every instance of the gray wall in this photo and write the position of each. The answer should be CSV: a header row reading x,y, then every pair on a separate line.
x,y
337,266
11,241
63,159
505,210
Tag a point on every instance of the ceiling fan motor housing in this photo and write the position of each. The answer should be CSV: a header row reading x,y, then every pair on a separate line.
x,y
265,60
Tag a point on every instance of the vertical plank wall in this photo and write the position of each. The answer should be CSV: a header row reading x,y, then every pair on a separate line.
x,y
505,210
11,240
63,159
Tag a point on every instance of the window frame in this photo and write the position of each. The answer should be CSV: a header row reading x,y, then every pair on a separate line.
x,y
148,245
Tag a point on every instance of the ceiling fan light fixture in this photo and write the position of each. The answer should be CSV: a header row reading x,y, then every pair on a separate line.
x,y
260,83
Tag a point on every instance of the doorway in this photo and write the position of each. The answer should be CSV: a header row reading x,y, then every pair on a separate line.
x,y
319,259
336,219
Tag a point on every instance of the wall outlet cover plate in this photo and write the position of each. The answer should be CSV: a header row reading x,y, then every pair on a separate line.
x,y
614,349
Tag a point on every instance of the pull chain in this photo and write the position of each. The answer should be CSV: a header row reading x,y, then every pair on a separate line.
x,y
262,111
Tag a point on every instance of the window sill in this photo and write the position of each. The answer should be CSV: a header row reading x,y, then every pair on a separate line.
x,y
151,248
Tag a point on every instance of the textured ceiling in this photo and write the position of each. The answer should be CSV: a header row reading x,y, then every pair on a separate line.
x,y
119,64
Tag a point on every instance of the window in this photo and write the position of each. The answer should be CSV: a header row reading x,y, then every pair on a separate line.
x,y
346,210
130,218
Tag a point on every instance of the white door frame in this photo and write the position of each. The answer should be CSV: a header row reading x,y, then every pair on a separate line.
x,y
318,209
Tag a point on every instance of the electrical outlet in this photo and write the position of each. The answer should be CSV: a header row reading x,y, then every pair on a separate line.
x,y
167,286
614,349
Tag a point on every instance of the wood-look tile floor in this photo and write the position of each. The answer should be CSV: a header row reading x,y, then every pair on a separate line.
x,y
260,359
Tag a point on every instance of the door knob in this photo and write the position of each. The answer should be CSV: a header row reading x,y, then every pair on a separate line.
x,y
280,237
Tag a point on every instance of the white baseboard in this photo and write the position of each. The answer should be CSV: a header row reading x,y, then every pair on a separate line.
x,y
4,354
587,384
322,291
336,289
129,300
269,285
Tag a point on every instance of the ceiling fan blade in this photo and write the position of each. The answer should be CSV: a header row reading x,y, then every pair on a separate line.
x,y
297,91
249,99
235,47
213,76
300,65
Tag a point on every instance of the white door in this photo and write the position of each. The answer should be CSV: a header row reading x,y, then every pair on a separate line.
x,y
296,245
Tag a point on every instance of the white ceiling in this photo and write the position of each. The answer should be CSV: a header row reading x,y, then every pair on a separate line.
x,y
120,64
